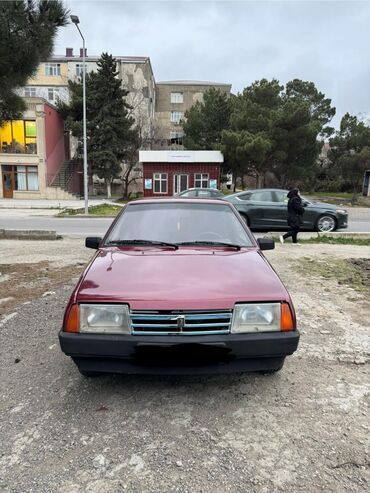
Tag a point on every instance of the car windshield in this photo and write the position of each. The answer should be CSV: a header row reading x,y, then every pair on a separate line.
x,y
179,223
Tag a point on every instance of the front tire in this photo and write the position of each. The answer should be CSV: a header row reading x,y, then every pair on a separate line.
x,y
326,224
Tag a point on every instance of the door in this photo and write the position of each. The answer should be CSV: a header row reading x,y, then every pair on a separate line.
x,y
180,183
8,184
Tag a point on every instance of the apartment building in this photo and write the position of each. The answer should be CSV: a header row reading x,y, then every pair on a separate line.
x,y
33,151
51,81
173,99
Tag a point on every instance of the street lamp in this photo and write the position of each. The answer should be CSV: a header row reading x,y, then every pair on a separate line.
x,y
76,21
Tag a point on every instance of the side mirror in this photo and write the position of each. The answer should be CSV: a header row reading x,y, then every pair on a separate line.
x,y
92,242
305,203
266,243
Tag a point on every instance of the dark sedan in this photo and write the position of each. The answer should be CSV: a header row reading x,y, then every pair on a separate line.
x,y
201,193
266,209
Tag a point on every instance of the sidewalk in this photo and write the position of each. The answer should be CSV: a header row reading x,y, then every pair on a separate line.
x,y
50,204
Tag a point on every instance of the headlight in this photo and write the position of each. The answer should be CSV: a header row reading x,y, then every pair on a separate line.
x,y
107,319
253,317
341,211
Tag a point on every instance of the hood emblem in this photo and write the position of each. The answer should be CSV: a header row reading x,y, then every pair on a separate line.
x,y
180,320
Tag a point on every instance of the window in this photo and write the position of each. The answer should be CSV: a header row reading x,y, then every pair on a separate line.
x,y
177,97
160,182
281,197
52,69
262,196
244,196
53,93
177,222
176,138
27,178
176,116
18,137
201,180
80,69
30,92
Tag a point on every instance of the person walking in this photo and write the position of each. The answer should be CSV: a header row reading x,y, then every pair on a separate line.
x,y
295,216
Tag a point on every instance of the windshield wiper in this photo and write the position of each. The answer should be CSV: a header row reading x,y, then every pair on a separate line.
x,y
142,242
210,243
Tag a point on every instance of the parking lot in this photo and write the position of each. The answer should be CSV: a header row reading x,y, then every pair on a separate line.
x,y
303,429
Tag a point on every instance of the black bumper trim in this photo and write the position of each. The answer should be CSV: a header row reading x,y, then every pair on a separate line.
x,y
203,354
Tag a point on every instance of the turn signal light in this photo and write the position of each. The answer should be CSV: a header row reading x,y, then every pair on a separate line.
x,y
72,320
286,319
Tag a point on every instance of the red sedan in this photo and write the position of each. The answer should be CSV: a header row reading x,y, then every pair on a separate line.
x,y
179,286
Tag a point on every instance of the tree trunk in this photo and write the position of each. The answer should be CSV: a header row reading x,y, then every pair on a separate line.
x,y
108,183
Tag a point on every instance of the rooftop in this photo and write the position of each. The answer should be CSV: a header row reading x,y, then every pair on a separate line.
x,y
192,83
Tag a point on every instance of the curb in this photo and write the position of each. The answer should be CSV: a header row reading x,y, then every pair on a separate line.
x,y
22,234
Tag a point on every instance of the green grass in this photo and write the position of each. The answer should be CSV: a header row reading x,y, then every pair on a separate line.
x,y
101,210
333,240
339,198
350,272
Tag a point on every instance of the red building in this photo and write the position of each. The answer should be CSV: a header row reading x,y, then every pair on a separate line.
x,y
167,173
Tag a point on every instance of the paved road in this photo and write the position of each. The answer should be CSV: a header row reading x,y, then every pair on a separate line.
x,y
98,226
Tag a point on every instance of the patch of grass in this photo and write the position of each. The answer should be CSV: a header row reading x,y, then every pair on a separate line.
x,y
337,240
95,210
350,272
334,240
339,198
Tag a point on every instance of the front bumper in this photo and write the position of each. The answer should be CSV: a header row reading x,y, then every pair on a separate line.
x,y
342,221
179,354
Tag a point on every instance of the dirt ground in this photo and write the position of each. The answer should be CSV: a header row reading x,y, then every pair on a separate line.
x,y
306,428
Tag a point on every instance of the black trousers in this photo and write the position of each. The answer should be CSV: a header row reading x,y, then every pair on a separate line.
x,y
293,232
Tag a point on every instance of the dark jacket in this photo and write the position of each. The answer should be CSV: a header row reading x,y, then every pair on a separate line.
x,y
295,209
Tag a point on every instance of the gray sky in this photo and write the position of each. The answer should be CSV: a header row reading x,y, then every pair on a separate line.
x,y
238,42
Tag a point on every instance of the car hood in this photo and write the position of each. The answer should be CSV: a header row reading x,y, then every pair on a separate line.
x,y
159,279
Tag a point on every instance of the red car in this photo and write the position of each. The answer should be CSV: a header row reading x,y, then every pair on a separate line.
x,y
179,286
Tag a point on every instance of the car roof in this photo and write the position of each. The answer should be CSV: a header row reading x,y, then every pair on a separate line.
x,y
200,188
155,200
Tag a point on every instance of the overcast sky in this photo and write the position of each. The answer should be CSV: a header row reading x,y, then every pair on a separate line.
x,y
238,42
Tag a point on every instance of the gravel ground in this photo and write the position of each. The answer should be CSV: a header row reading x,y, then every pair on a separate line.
x,y
303,429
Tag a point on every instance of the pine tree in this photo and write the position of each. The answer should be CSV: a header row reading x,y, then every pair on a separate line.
x,y
27,33
110,131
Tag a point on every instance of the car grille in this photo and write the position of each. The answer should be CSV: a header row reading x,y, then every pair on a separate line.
x,y
181,323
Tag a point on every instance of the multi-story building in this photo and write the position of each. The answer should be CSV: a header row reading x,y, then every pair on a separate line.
x,y
51,81
173,99
32,154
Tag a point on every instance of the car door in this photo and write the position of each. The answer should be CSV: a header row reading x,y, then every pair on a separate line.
x,y
279,214
261,209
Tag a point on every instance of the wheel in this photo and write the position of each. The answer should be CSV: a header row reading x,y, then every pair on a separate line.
x,y
326,223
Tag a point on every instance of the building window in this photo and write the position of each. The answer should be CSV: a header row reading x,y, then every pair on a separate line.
x,y
201,180
176,116
160,182
177,97
80,69
176,138
18,137
27,178
30,92
53,93
52,69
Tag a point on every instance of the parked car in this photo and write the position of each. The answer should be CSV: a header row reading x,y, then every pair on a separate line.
x,y
202,193
266,209
179,286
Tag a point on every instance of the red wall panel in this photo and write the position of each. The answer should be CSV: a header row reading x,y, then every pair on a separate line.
x,y
54,142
